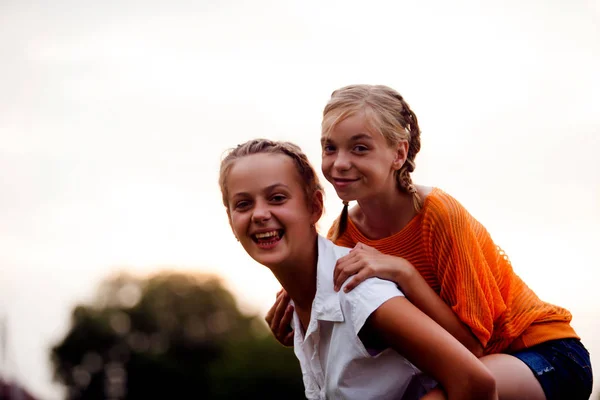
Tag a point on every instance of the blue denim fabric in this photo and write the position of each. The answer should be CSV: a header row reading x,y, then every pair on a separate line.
x,y
562,367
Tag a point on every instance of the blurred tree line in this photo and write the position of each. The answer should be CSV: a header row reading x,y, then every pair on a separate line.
x,y
172,335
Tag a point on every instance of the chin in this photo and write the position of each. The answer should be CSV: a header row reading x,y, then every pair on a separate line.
x,y
269,260
344,196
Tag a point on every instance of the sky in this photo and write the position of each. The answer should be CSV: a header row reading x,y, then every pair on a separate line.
x,y
114,116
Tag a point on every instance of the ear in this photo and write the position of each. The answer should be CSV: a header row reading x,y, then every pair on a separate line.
x,y
401,155
317,207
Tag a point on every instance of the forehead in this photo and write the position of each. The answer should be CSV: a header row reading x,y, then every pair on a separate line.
x,y
257,172
354,127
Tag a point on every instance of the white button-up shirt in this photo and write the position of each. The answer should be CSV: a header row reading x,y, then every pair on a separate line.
x,y
335,364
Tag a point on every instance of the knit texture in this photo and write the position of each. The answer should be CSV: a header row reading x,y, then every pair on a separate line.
x,y
457,257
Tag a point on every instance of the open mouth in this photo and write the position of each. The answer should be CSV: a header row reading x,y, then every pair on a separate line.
x,y
266,239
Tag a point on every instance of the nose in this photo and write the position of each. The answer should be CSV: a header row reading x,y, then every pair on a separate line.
x,y
261,212
341,162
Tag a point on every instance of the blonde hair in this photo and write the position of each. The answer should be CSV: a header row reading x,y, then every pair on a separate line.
x,y
309,177
388,114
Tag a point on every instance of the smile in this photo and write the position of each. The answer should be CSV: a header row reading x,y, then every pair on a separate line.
x,y
268,239
343,182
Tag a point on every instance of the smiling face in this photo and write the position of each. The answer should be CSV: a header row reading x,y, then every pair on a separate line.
x,y
358,162
268,209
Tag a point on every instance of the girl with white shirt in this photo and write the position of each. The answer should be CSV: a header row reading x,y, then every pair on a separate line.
x,y
370,343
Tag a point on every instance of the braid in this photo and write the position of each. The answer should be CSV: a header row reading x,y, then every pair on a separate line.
x,y
309,177
342,224
389,115
406,185
408,119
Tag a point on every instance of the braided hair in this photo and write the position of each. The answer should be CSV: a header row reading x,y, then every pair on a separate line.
x,y
390,115
265,146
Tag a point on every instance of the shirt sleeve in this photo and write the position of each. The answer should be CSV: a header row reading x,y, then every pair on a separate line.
x,y
367,297
465,259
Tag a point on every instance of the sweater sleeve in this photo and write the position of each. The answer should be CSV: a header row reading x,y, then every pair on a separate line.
x,y
463,255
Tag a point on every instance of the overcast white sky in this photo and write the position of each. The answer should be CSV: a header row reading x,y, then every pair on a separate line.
x,y
114,115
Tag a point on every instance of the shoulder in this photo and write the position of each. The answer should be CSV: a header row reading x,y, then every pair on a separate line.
x,y
329,253
446,221
370,289
326,245
363,300
424,191
346,239
440,207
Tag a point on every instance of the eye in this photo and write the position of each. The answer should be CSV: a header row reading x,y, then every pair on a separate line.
x,y
242,205
328,148
360,148
278,198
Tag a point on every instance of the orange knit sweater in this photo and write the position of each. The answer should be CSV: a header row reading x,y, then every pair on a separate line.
x,y
457,257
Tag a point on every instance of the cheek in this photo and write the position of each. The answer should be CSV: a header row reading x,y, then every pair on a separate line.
x,y
326,163
301,221
237,225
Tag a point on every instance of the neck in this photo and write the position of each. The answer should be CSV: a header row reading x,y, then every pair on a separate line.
x,y
386,214
299,276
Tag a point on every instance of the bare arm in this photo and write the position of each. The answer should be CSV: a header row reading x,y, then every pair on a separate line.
x,y
366,262
424,343
417,290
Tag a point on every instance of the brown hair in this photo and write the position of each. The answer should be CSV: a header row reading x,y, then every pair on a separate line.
x,y
265,146
387,113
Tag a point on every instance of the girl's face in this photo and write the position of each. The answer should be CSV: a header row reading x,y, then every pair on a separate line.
x,y
268,209
359,163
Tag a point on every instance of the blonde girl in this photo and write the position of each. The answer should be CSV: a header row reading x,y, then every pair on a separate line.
x,y
441,257
370,343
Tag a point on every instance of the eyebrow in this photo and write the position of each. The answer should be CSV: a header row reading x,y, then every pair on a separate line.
x,y
360,136
354,138
275,185
267,189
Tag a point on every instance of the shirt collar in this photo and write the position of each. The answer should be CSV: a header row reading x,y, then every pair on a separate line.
x,y
326,306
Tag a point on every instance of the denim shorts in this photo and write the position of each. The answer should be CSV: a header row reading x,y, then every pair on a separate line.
x,y
562,367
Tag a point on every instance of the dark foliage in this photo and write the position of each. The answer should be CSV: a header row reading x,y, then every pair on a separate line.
x,y
171,336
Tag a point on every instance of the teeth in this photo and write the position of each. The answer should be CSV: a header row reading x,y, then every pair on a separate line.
x,y
266,234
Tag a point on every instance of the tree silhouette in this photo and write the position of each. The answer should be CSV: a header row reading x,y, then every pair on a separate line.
x,y
169,336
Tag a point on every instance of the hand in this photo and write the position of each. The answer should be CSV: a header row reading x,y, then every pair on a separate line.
x,y
366,262
279,318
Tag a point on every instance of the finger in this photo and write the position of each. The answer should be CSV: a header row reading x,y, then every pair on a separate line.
x,y
357,246
282,303
286,319
288,316
369,249
271,312
269,316
341,263
365,247
289,339
356,280
347,270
